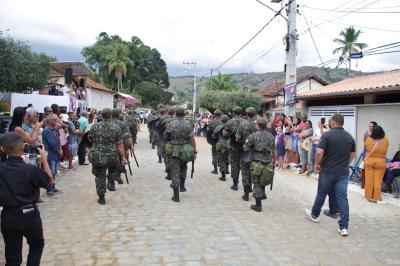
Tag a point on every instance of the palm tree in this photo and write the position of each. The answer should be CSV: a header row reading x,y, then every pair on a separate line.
x,y
118,60
349,43
221,83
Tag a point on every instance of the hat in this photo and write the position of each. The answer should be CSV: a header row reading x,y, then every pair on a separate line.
x,y
180,110
251,111
217,112
116,112
261,121
224,118
106,112
237,109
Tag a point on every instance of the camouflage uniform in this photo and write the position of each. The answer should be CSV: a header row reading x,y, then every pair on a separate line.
x,y
132,123
190,119
152,133
245,129
210,130
261,145
178,133
222,150
105,137
234,152
167,158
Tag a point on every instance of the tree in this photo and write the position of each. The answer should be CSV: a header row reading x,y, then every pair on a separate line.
x,y
349,43
117,62
151,94
21,67
221,83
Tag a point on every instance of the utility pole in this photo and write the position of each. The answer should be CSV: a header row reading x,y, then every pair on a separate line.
x,y
291,50
193,64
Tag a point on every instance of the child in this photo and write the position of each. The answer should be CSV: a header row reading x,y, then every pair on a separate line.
x,y
280,146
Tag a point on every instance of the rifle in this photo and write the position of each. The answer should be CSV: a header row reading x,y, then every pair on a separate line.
x,y
123,170
134,156
191,174
129,165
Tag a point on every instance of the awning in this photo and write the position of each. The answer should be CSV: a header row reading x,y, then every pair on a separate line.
x,y
128,98
78,68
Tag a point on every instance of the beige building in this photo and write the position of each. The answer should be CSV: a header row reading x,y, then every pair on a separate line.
x,y
360,100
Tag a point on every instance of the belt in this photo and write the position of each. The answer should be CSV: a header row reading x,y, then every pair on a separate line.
x,y
23,207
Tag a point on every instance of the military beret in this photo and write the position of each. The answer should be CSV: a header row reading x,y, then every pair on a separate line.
x,y
224,118
261,121
106,111
251,111
237,109
218,112
180,110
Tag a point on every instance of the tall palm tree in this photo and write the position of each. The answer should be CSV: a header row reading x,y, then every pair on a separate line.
x,y
118,60
221,83
349,43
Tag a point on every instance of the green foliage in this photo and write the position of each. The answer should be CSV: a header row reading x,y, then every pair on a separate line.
x,y
145,63
221,83
118,60
21,67
226,100
152,94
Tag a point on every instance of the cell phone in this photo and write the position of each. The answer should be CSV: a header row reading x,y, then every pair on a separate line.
x,y
32,148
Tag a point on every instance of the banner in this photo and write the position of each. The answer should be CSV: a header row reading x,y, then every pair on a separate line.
x,y
290,94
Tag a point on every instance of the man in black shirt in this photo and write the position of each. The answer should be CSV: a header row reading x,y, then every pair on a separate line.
x,y
335,152
19,193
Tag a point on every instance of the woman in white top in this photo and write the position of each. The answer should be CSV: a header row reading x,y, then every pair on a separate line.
x,y
315,142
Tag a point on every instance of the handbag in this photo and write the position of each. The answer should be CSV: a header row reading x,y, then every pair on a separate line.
x,y
362,164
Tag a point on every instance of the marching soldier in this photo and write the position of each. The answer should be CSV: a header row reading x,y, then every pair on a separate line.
x,y
182,149
246,129
189,118
133,125
158,128
222,147
261,146
151,121
234,149
210,130
128,144
167,157
107,141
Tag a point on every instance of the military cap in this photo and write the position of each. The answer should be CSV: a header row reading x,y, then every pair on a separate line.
x,y
237,109
251,111
218,112
261,121
106,111
171,111
180,110
116,112
224,118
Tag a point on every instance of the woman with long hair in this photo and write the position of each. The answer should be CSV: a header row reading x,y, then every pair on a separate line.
x,y
315,142
376,147
19,116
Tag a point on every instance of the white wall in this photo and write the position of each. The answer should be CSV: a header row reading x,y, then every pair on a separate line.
x,y
306,85
99,99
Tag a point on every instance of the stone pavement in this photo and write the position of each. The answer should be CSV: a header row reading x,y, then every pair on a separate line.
x,y
211,225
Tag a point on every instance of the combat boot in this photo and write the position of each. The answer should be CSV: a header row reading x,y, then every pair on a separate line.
x,y
101,200
182,185
119,180
168,177
176,194
250,188
264,195
257,207
153,146
215,171
245,196
159,159
111,186
223,177
227,169
235,184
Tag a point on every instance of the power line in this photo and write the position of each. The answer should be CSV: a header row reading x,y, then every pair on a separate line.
x,y
251,39
360,26
389,52
353,11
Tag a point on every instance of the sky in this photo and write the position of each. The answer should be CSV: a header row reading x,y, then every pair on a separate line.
x,y
206,32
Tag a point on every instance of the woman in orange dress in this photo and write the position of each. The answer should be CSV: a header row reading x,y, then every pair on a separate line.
x,y
376,146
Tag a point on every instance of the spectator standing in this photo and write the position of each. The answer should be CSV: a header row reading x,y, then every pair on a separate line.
x,y
72,140
280,146
376,147
369,131
305,145
83,127
315,142
16,125
335,151
295,141
52,143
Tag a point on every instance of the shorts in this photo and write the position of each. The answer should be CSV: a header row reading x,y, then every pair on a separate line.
x,y
295,144
280,150
72,149
288,142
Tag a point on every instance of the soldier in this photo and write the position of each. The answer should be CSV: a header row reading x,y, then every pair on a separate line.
x,y
246,129
261,146
151,121
222,147
213,142
133,124
158,129
189,118
234,149
183,149
107,141
167,157
128,144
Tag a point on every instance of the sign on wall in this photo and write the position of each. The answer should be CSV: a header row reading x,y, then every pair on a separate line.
x,y
291,94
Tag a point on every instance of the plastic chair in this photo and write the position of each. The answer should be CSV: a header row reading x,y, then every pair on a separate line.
x,y
355,170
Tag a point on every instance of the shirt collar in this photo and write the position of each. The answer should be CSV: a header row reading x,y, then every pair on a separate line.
x,y
15,158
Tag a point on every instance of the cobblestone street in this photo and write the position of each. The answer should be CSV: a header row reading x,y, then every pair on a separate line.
x,y
211,225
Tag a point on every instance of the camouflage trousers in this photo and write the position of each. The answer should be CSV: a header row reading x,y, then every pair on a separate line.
x,y
153,137
257,188
160,149
223,160
234,158
168,163
214,154
178,171
246,173
101,177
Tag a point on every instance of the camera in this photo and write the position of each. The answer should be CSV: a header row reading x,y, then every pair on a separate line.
x,y
32,148
76,124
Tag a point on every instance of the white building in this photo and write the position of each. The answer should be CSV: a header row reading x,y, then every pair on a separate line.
x,y
98,96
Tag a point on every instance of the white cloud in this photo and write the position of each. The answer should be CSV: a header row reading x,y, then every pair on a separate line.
x,y
206,31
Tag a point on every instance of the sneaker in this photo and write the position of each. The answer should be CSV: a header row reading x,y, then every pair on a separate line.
x,y
381,202
57,191
343,231
329,214
310,216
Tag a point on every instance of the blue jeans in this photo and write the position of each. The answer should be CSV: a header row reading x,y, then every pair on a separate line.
x,y
336,187
53,164
311,161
